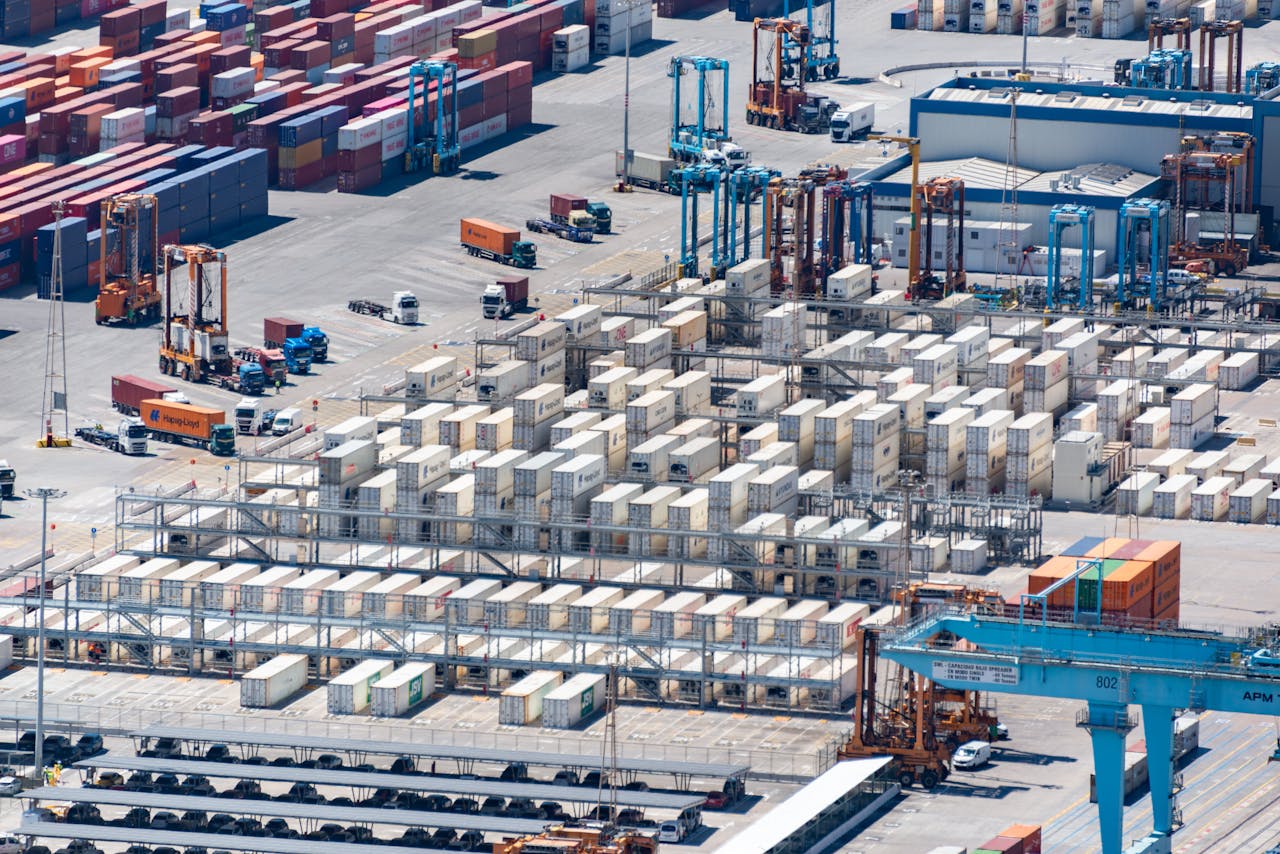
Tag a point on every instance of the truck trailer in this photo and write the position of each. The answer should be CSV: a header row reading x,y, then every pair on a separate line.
x,y
484,239
185,424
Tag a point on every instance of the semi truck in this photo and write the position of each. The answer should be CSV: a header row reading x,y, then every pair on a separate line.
x,y
576,233
648,171
852,122
130,437
484,239
568,209
128,392
185,424
277,330
271,361
297,356
403,308
253,418
506,296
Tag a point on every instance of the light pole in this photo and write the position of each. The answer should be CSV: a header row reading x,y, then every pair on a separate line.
x,y
44,494
626,100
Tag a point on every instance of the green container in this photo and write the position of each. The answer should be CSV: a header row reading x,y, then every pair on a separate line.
x,y
1087,585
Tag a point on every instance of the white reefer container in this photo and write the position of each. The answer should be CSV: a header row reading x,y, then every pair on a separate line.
x,y
273,682
1210,500
762,395
574,701
386,598
466,605
358,428
549,610
495,475
838,628
777,490
652,410
590,613
458,428
345,597
673,617
351,691
261,593
1249,502
693,392
609,390
422,425
798,625
178,587
509,605
220,591
495,431
405,688
302,594
521,703
427,601
540,341
582,323
1173,497
142,583
651,459
714,620
633,614
1137,494
694,460
757,622
648,349
431,378
796,424
98,582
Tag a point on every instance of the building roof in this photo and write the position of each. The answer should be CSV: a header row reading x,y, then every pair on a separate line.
x,y
979,173
193,839
788,818
1090,97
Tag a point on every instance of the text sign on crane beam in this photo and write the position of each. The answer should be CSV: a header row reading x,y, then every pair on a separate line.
x,y
963,671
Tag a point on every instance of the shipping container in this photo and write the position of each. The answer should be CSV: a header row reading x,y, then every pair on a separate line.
x,y
273,682
633,614
403,690
763,395
261,593
521,704
428,601
466,604
432,378
509,605
838,628
351,691
302,595
549,610
574,701
422,426
673,618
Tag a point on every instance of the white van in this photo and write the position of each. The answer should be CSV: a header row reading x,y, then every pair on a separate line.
x,y
671,831
287,420
972,754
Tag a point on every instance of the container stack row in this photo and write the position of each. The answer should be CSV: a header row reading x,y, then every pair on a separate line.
x,y
1123,579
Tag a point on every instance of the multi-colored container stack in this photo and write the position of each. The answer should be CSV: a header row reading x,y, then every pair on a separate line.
x,y
1141,579
1015,839
20,18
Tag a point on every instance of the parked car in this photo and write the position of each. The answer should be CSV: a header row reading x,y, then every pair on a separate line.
x,y
11,845
89,744
468,840
671,831
110,780
716,800
166,821
972,754
493,806
565,777
328,762
218,753
10,786
404,765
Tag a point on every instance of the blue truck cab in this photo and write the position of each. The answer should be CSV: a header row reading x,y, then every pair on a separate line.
x,y
318,342
297,356
252,378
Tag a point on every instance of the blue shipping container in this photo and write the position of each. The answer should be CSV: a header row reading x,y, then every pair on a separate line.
x,y
1081,547
298,132
12,110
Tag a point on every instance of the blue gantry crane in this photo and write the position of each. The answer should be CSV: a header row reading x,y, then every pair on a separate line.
x,y
746,188
1162,69
1061,219
1261,78
699,119
1161,669
817,57
846,218
694,180
433,145
1143,219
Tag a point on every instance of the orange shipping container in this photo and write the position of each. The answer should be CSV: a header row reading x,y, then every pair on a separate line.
x,y
85,73
487,235
1127,585
38,92
206,37
1167,557
1171,614
1108,547
101,51
1169,593
1028,833
181,419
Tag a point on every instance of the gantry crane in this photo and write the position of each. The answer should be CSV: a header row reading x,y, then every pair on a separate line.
x,y
702,121
818,57
943,197
791,228
1143,220
846,219
1162,69
1061,219
913,235
1233,32
195,317
693,180
1024,651
127,289
1179,28
777,96
1261,78
433,144
746,188
1209,176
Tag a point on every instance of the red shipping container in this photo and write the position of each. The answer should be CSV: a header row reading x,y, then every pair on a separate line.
x,y
310,55
519,116
272,18
177,76
153,11
10,275
496,105
479,63
354,182
1028,833
336,27
228,58
280,54
551,19
361,158
287,76
126,20
325,8
1001,844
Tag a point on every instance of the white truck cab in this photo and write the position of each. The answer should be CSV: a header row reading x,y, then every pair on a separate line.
x,y
132,434
404,307
729,155
249,412
852,122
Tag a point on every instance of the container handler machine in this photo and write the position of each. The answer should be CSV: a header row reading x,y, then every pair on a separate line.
x,y
777,97
127,291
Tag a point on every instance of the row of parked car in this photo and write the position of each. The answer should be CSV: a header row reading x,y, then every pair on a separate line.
x,y
60,748
198,821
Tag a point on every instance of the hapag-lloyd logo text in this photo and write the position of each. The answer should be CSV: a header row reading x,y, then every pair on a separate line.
x,y
173,420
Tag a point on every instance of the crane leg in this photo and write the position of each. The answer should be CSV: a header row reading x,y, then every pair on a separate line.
x,y
1157,724
1108,727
